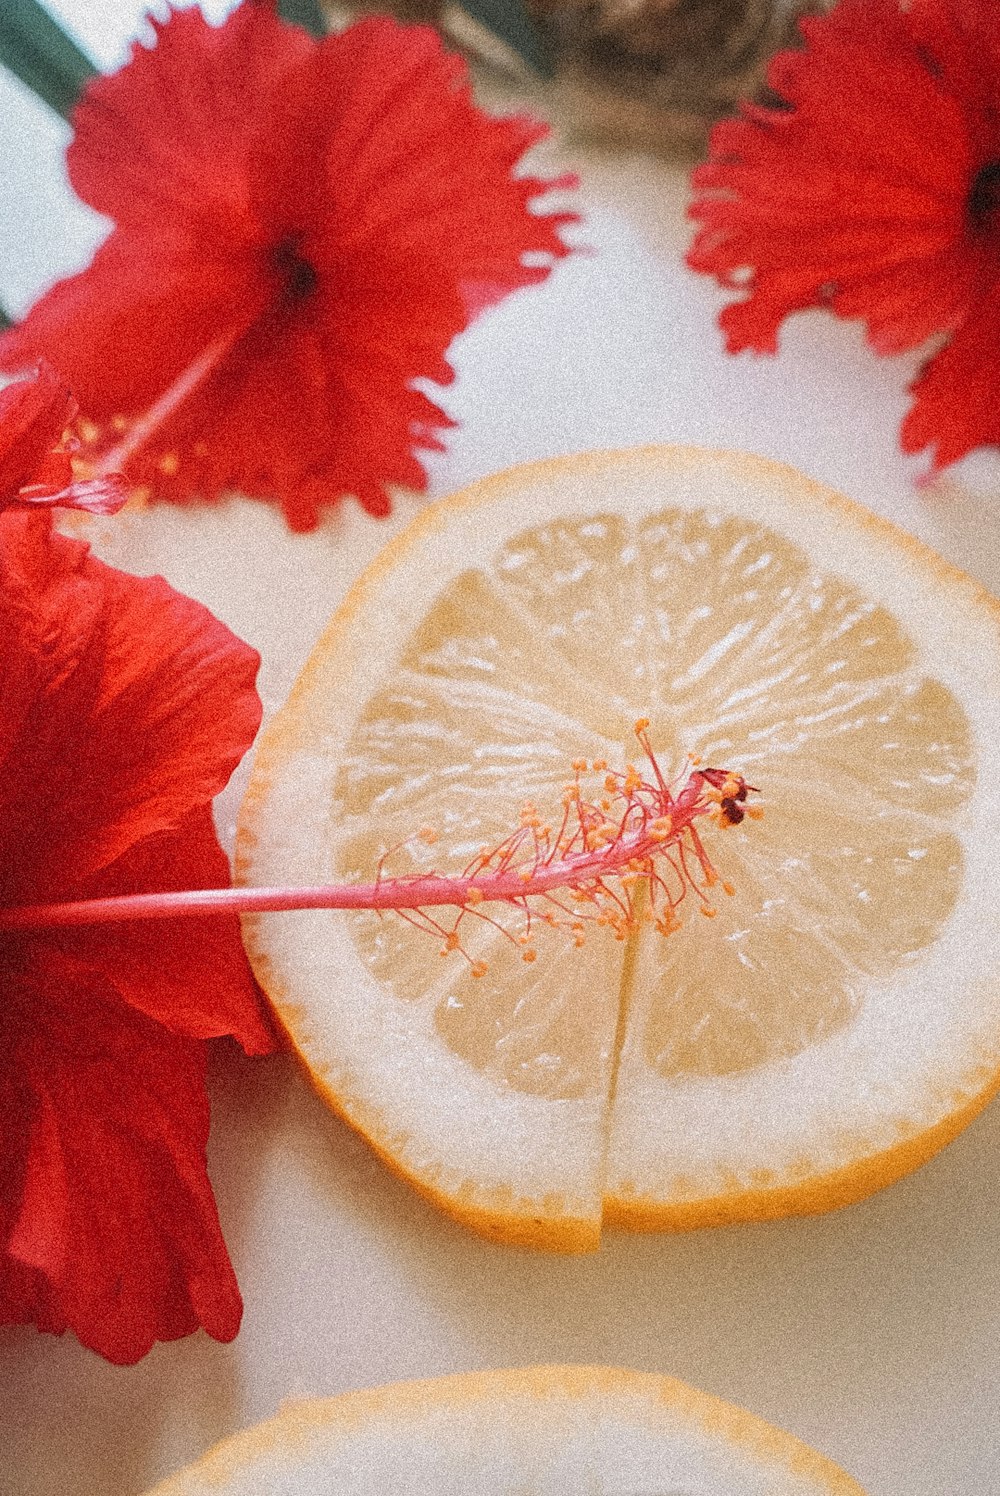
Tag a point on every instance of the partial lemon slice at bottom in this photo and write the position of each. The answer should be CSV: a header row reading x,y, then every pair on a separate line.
x,y
543,1431
830,1029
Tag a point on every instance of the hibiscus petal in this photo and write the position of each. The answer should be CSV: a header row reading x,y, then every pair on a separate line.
x,y
34,413
159,145
173,714
191,975
124,329
115,1232
955,397
136,706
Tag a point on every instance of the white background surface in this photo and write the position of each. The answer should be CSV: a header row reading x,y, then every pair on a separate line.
x,y
874,1333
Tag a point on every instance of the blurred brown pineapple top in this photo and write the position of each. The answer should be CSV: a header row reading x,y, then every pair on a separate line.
x,y
655,74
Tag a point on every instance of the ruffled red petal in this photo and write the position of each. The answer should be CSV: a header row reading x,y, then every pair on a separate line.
x,y
955,407
191,975
34,471
130,706
34,413
123,330
856,196
303,228
107,1220
160,146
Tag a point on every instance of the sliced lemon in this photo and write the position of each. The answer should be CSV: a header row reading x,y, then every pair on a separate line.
x,y
543,1431
839,1020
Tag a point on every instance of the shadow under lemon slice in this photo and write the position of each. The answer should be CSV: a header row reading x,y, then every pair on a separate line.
x,y
838,1020
549,1430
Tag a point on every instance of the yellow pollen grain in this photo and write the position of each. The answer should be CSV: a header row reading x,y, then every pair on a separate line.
x,y
119,424
474,896
529,955
169,464
428,835
641,724
479,969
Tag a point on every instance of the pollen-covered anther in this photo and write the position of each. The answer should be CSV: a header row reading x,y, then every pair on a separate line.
x,y
579,766
428,835
530,954
478,969
662,829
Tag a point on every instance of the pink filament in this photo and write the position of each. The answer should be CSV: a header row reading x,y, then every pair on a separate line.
x,y
637,844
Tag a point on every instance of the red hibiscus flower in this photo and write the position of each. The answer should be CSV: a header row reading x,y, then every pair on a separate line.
x,y
875,191
301,229
36,465
126,707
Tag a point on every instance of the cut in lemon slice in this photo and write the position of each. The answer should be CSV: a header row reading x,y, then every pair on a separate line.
x,y
830,1029
544,1431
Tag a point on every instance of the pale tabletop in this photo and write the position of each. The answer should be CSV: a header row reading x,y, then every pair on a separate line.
x,y
874,1333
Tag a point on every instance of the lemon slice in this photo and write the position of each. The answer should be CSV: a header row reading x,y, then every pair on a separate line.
x,y
839,1020
543,1431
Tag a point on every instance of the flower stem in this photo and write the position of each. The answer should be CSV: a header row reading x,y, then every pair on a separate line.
x,y
190,379
640,830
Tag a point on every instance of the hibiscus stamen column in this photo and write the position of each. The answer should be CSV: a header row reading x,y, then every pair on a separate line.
x,y
621,863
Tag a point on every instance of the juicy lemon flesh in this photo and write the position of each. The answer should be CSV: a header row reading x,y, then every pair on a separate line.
x,y
725,636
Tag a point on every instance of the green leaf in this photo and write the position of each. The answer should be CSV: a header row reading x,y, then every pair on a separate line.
x,y
305,13
510,22
37,50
